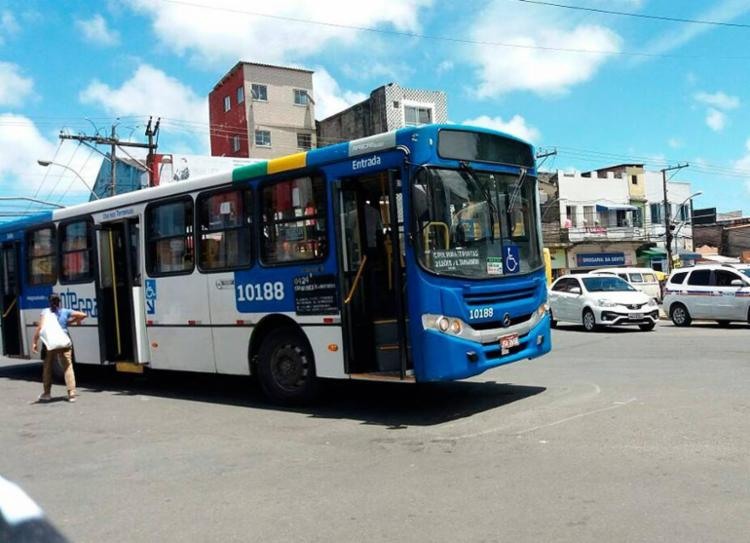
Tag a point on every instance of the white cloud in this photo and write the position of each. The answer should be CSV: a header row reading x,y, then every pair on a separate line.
x,y
719,100
445,66
525,67
21,145
716,120
516,126
95,30
675,143
744,162
8,25
149,92
721,11
230,29
329,97
14,88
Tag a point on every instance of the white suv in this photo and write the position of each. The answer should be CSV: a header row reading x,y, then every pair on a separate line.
x,y
714,292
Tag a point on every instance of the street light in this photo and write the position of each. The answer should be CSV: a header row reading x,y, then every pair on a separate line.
x,y
46,163
683,223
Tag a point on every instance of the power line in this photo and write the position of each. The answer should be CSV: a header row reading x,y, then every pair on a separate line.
x,y
637,15
449,39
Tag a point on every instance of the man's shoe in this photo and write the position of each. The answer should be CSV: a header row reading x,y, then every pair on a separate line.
x,y
44,397
72,397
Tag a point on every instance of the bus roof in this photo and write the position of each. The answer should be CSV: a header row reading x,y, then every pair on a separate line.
x,y
302,160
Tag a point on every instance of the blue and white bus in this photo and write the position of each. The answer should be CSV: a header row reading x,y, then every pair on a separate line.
x,y
413,255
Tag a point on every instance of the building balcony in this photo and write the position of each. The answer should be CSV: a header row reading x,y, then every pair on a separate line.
x,y
606,233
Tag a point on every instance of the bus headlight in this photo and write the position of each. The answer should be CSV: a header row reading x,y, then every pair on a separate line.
x,y
456,326
442,324
542,309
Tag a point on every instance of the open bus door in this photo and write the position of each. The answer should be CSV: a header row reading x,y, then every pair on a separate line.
x,y
370,233
10,293
122,318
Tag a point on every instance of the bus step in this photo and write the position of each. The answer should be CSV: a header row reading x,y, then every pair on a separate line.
x,y
386,332
129,367
386,376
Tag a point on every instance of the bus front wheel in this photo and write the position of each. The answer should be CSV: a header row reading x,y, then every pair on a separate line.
x,y
286,368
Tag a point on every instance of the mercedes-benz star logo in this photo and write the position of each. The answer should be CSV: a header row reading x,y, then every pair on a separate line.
x,y
506,320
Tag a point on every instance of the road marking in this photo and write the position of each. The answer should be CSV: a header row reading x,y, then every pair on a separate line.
x,y
615,405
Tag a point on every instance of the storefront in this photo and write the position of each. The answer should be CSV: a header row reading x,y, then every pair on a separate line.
x,y
587,257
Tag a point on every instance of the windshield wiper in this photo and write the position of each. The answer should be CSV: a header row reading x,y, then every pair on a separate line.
x,y
464,166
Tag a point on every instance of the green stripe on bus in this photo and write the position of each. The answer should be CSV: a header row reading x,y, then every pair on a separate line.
x,y
250,170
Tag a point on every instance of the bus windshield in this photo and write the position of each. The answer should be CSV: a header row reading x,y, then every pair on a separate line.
x,y
466,221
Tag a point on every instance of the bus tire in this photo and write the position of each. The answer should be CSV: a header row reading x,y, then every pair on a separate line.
x,y
286,367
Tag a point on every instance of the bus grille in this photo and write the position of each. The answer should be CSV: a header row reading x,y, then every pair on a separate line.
x,y
491,325
486,298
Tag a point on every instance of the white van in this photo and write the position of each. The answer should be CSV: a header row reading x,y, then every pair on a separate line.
x,y
644,279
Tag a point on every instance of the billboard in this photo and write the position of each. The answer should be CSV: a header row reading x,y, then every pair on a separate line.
x,y
174,167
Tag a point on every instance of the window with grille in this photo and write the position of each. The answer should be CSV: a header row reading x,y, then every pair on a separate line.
x,y
40,254
169,243
225,228
76,252
259,92
294,220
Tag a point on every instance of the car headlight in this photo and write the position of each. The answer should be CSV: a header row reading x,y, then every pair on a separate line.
x,y
606,303
652,302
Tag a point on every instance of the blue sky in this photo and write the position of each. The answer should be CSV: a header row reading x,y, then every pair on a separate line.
x,y
634,90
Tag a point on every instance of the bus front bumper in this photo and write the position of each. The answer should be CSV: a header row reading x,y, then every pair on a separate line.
x,y
449,358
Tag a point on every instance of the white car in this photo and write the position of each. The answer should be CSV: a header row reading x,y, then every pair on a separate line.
x,y
713,292
600,300
644,279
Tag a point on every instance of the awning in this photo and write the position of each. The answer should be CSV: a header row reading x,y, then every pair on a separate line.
x,y
655,252
614,207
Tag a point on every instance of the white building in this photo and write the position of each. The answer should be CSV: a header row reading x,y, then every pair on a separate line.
x,y
609,215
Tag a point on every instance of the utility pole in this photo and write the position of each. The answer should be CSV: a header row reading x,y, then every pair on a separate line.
x,y
151,149
667,213
113,141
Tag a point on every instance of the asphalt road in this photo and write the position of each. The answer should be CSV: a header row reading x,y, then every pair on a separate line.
x,y
615,436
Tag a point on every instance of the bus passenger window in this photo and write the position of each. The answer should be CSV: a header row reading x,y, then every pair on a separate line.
x,y
294,215
170,237
225,230
40,250
75,252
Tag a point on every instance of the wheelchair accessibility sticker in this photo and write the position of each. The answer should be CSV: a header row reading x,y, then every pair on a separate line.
x,y
511,259
150,296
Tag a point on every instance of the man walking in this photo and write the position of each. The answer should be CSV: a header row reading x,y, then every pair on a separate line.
x,y
63,317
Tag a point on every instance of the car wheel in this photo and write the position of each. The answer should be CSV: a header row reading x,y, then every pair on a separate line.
x,y
552,321
647,327
286,369
680,315
724,324
589,320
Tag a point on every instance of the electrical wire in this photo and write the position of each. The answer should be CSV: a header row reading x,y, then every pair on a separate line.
x,y
637,15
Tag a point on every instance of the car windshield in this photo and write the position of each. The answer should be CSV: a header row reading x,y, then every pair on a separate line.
x,y
746,271
606,284
475,224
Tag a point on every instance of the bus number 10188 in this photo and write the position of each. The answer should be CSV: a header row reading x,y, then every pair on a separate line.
x,y
260,292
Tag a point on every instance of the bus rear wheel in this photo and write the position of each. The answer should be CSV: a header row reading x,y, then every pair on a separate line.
x,y
286,368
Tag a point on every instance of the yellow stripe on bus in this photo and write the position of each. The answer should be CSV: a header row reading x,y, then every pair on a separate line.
x,y
285,163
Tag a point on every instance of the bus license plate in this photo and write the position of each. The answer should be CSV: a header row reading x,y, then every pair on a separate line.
x,y
506,342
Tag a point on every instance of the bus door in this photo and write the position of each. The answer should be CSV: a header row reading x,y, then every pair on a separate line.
x,y
10,292
120,300
370,227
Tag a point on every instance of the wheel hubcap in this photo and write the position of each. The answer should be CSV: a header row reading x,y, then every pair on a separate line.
x,y
679,315
289,367
588,321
